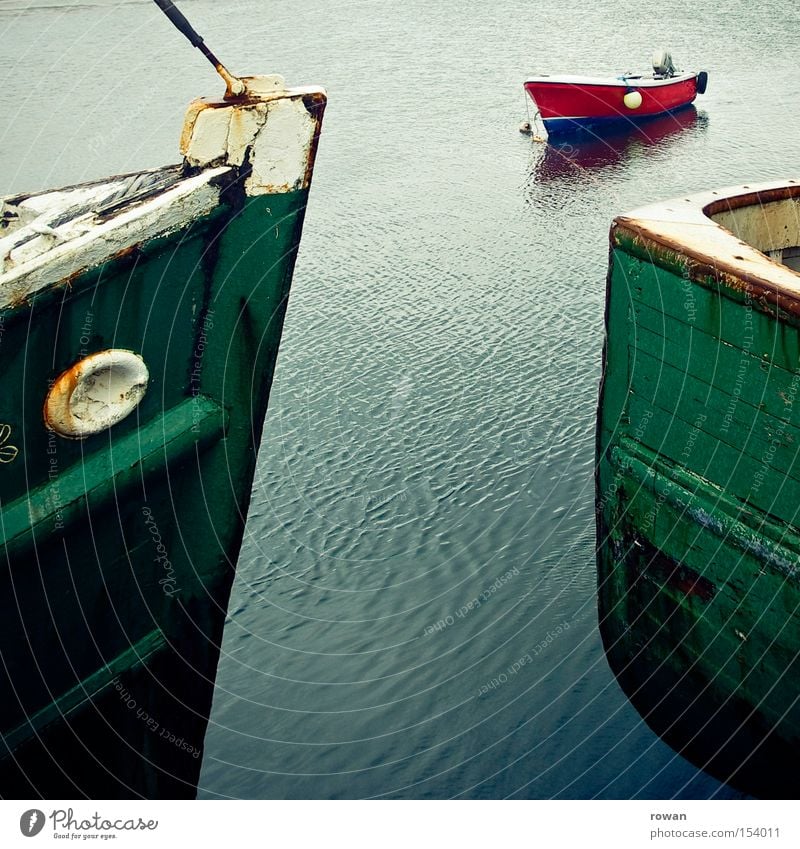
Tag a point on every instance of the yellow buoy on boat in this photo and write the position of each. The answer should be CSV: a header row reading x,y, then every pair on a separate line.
x,y
632,99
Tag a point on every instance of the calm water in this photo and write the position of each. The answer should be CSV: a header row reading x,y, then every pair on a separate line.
x,y
430,436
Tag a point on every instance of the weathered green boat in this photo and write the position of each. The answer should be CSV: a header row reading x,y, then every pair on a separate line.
x,y
140,319
698,478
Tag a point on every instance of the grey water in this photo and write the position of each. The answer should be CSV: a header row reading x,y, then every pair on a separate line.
x,y
414,611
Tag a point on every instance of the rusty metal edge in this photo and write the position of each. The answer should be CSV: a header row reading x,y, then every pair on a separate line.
x,y
645,240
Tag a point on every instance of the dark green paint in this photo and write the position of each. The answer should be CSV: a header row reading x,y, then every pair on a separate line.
x,y
120,549
698,507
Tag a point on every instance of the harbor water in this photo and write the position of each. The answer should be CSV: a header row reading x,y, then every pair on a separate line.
x,y
414,614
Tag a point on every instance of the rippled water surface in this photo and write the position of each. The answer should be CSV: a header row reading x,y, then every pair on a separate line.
x,y
414,613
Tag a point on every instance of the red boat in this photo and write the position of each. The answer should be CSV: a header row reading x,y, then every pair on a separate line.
x,y
570,103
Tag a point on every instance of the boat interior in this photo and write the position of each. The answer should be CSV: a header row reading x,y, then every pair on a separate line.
x,y
768,221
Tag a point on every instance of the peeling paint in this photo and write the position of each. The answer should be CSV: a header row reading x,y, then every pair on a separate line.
x,y
273,127
88,246
281,149
269,132
96,393
688,234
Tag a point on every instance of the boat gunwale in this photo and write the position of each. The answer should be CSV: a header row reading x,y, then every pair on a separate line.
x,y
621,81
680,235
196,193
21,197
190,198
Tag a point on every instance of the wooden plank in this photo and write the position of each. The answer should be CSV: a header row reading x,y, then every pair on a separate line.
x,y
722,417
84,691
735,373
54,506
760,482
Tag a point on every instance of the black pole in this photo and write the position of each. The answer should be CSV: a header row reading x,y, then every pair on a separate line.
x,y
235,86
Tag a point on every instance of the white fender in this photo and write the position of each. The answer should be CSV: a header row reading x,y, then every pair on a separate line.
x,y
96,393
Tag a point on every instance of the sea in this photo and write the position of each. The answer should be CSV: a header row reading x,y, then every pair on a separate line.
x,y
414,614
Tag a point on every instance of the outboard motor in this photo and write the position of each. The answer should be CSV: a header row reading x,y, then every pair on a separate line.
x,y
662,64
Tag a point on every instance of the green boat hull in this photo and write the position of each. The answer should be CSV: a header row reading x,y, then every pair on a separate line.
x,y
120,548
698,493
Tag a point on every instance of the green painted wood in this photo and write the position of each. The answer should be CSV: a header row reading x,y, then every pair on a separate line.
x,y
725,367
613,386
643,258
727,414
151,512
105,477
757,480
714,312
146,301
84,692
711,510
722,634
698,508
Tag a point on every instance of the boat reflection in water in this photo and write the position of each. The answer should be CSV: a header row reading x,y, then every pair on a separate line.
x,y
587,152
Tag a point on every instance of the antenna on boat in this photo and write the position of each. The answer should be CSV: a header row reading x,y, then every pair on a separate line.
x,y
234,86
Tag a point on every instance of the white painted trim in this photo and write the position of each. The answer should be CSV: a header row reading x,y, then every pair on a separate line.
x,y
615,82
271,126
684,221
275,129
171,210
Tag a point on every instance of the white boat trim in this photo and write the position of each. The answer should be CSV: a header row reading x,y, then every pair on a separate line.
x,y
270,130
273,129
701,233
78,251
622,81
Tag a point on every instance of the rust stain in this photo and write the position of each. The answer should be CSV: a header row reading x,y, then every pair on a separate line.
x,y
672,252
758,197
658,567
23,299
234,87
57,401
74,410
692,584
315,104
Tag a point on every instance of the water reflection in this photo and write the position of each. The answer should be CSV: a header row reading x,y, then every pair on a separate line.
x,y
721,724
589,152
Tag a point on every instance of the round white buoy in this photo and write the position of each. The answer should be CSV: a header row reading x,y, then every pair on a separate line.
x,y
632,99
525,128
